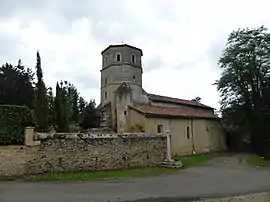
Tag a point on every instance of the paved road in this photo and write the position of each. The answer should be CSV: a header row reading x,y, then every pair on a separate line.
x,y
220,177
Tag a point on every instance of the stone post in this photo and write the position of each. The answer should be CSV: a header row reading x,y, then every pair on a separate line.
x,y
169,150
29,137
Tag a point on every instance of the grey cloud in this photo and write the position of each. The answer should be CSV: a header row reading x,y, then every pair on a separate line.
x,y
155,62
165,9
84,79
10,45
58,15
215,50
23,8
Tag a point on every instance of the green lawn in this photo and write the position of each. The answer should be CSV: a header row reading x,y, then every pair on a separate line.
x,y
85,176
197,159
126,173
257,161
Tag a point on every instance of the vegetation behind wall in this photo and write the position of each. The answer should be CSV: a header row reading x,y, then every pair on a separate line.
x,y
13,120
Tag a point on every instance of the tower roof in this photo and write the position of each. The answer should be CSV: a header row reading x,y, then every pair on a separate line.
x,y
121,45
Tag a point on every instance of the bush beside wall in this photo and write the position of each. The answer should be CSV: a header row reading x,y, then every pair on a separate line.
x,y
13,120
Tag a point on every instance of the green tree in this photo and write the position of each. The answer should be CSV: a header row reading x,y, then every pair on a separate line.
x,y
244,83
51,101
16,85
41,100
81,105
61,108
90,116
72,97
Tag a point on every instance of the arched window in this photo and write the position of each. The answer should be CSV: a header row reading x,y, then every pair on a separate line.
x,y
118,57
133,58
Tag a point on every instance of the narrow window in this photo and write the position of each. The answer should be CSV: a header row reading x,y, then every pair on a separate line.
x,y
134,77
105,60
159,128
105,95
118,57
188,135
125,113
133,59
106,81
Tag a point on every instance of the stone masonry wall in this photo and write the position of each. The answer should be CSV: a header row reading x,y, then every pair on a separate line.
x,y
84,152
12,161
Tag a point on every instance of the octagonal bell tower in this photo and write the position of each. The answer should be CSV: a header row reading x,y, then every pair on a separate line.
x,y
120,64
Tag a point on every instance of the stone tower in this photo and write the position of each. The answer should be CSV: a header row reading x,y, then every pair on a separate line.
x,y
121,64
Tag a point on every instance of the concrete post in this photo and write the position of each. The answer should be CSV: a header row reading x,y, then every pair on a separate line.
x,y
169,150
29,137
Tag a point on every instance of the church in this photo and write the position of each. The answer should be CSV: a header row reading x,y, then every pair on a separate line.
x,y
126,107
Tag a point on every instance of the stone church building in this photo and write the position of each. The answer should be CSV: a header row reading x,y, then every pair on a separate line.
x,y
126,107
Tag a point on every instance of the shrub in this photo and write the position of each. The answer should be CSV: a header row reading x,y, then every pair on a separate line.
x,y
13,120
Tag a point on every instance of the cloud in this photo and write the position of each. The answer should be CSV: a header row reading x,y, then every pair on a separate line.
x,y
181,40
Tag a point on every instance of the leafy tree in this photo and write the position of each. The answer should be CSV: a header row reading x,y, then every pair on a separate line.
x,y
244,83
72,96
81,105
16,85
90,116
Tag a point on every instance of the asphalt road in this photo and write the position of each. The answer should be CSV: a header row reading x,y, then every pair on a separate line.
x,y
220,177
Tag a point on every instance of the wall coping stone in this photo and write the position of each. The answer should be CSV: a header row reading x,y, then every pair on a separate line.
x,y
43,136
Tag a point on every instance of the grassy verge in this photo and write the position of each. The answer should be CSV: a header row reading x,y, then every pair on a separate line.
x,y
255,160
114,174
197,159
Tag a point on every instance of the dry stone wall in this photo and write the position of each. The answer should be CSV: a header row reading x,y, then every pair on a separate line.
x,y
12,161
92,152
100,153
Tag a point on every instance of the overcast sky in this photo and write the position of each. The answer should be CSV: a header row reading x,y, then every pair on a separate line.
x,y
181,40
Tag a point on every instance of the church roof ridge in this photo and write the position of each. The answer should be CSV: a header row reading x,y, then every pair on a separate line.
x,y
161,111
161,98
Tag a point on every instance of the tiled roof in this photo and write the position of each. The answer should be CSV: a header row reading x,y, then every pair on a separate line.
x,y
160,98
150,110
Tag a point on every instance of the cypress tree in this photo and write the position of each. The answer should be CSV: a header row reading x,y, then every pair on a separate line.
x,y
61,108
41,101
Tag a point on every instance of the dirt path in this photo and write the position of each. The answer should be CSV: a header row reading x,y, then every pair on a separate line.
x,y
223,176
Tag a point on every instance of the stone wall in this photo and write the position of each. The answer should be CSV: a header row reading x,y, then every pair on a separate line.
x,y
12,161
92,152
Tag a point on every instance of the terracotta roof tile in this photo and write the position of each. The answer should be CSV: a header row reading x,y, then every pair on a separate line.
x,y
161,98
150,110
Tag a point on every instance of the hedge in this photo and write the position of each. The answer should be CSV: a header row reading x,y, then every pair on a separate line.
x,y
13,120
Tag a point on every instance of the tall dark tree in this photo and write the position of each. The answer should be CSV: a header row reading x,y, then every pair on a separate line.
x,y
61,109
52,116
41,100
244,84
16,85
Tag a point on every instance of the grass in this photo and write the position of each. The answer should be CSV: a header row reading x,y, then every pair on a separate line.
x,y
113,174
126,173
255,160
197,159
